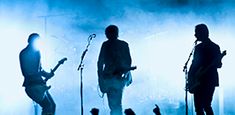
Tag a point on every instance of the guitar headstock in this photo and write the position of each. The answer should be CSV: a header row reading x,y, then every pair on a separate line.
x,y
224,53
133,68
62,60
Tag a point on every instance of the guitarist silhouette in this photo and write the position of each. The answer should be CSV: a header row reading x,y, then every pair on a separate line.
x,y
35,85
114,65
203,75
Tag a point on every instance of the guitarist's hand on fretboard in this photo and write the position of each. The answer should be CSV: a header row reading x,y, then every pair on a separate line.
x,y
51,74
121,71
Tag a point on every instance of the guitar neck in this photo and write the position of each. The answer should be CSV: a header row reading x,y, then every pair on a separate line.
x,y
123,70
56,67
53,70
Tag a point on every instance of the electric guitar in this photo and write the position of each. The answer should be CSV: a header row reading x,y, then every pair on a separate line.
x,y
45,88
56,67
125,79
194,80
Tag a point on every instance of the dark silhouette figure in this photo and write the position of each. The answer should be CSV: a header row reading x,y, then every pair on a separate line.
x,y
203,75
94,111
156,110
35,86
129,111
114,55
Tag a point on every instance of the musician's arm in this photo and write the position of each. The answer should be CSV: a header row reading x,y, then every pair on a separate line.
x,y
128,62
125,60
100,63
46,74
127,56
218,57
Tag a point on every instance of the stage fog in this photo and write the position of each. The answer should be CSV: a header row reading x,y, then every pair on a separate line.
x,y
160,35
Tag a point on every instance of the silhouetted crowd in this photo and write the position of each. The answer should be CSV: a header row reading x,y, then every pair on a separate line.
x,y
129,111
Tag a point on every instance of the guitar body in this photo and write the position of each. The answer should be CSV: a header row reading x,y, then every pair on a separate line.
x,y
194,80
115,81
110,83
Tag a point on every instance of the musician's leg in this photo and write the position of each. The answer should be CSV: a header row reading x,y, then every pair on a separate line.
x,y
48,105
208,99
35,93
115,101
38,94
198,102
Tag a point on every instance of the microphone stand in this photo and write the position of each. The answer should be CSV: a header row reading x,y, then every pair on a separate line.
x,y
185,70
81,66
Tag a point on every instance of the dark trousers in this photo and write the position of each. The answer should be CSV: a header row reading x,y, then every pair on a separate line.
x,y
115,101
202,100
114,86
40,94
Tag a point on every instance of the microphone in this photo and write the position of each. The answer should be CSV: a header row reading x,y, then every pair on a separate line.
x,y
92,36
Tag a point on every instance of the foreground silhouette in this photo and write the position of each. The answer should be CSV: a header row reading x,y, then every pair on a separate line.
x,y
94,111
156,110
114,63
203,75
35,86
129,111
